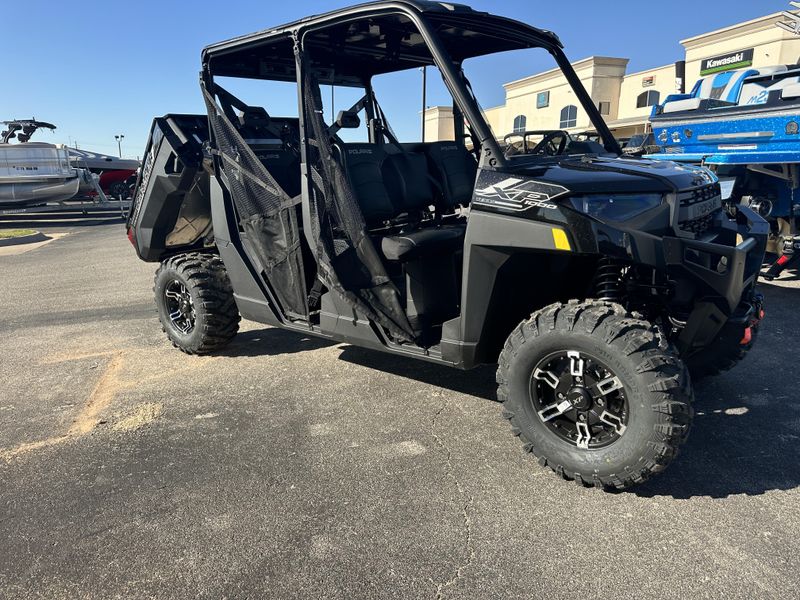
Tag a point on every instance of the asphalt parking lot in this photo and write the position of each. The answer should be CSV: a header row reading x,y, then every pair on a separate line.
x,y
289,467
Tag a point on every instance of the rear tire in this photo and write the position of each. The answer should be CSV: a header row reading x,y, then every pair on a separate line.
x,y
631,403
195,303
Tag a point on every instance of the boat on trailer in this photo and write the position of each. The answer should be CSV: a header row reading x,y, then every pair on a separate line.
x,y
34,173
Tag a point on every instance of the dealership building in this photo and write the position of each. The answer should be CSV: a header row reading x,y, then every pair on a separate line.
x,y
546,101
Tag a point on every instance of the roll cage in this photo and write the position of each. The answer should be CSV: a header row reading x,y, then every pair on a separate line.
x,y
349,47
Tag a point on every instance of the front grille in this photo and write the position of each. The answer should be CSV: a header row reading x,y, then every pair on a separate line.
x,y
697,226
697,207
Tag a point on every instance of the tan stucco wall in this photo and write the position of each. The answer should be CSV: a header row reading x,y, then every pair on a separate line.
x,y
600,75
772,45
632,87
439,124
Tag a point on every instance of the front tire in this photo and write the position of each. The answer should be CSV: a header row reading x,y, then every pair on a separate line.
x,y
195,303
596,394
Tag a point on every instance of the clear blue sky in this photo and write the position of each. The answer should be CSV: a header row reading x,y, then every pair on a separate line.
x,y
96,68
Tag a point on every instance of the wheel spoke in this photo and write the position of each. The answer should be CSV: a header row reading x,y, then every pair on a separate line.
x,y
611,384
175,315
554,410
584,435
548,377
172,295
576,364
613,420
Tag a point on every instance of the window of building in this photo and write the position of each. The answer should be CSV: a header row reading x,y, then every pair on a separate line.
x,y
648,98
605,108
520,123
569,117
542,99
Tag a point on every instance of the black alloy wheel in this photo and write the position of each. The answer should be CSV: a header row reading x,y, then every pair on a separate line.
x,y
580,399
180,306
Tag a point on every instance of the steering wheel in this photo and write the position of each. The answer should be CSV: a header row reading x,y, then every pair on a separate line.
x,y
548,146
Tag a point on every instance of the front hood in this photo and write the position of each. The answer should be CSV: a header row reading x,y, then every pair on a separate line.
x,y
592,175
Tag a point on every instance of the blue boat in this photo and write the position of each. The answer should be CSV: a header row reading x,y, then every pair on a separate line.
x,y
744,125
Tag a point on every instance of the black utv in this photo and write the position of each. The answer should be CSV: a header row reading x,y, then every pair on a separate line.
x,y
595,283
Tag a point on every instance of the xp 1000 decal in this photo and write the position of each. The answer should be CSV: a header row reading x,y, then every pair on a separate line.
x,y
518,194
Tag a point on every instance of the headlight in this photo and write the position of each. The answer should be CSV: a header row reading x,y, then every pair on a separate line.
x,y
616,207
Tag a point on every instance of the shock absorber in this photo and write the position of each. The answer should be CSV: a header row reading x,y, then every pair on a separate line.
x,y
608,284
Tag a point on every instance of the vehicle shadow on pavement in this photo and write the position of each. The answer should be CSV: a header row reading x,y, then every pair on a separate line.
x,y
746,433
272,342
730,453
478,382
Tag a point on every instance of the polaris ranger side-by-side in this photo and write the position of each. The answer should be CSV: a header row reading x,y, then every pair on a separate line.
x,y
592,281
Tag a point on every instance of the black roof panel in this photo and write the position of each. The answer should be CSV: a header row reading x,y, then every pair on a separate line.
x,y
350,44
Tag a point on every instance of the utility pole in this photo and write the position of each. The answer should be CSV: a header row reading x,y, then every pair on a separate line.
x,y
424,98
119,143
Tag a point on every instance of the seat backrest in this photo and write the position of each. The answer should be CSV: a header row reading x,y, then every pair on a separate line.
x,y
407,180
284,166
758,92
455,169
264,137
363,164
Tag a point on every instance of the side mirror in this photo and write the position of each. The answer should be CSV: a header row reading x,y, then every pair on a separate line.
x,y
347,120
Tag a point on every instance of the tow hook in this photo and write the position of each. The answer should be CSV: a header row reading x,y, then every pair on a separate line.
x,y
758,315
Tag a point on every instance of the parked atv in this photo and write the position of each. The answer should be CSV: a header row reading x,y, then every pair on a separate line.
x,y
592,281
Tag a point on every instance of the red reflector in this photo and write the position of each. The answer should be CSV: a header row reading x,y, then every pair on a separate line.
x,y
131,238
784,259
761,315
748,337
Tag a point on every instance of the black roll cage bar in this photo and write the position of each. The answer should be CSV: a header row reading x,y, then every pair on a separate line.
x,y
464,100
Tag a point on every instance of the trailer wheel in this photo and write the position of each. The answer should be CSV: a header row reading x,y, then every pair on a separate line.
x,y
195,303
119,190
596,395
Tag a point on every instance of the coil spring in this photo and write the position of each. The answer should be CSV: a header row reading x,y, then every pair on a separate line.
x,y
608,280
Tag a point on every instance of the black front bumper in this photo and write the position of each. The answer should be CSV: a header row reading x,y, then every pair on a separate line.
x,y
725,277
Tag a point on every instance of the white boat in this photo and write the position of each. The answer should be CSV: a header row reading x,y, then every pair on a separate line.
x,y
34,173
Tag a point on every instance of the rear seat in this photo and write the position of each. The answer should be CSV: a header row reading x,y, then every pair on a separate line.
x,y
389,184
255,126
455,168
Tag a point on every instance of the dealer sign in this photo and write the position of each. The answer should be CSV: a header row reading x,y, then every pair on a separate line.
x,y
727,62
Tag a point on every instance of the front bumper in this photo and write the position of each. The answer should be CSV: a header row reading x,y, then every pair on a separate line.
x,y
724,270
713,276
724,276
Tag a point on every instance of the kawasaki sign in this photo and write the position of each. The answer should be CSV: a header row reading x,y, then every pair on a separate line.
x,y
726,62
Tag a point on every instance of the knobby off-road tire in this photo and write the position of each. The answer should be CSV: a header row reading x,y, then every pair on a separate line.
x,y
195,303
651,381
722,355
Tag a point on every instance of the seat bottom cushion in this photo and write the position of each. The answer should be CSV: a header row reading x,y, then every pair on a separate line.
x,y
423,242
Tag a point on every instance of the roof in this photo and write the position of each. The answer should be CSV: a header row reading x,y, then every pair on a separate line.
x,y
373,38
737,30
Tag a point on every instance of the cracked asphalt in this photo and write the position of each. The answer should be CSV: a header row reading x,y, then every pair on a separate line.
x,y
287,467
